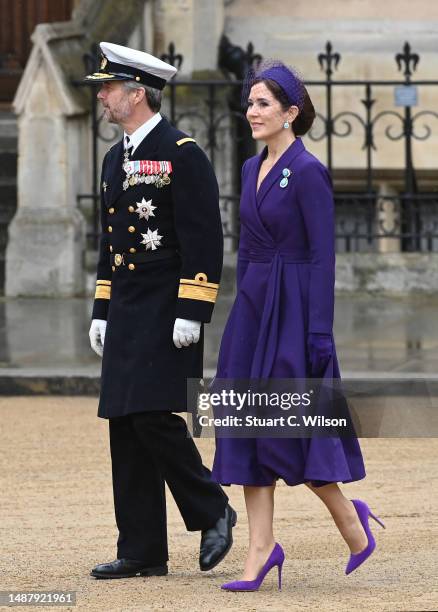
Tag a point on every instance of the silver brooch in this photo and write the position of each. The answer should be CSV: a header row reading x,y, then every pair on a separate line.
x,y
285,180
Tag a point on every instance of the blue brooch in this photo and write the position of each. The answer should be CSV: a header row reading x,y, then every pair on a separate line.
x,y
284,181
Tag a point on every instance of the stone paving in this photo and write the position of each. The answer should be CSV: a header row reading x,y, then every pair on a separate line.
x,y
58,522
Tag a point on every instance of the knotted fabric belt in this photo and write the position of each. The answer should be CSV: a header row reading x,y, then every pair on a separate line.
x,y
123,259
267,342
266,254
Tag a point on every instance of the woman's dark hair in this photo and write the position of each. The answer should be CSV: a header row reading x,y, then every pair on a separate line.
x,y
305,118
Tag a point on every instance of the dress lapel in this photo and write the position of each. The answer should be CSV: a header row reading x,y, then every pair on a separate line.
x,y
249,198
275,173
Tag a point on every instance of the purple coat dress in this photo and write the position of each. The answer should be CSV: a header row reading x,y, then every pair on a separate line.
x,y
285,290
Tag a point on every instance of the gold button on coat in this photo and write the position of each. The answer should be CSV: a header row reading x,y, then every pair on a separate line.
x,y
110,229
111,248
132,250
111,211
131,228
131,209
113,268
131,266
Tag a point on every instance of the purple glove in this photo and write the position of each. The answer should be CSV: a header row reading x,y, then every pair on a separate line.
x,y
320,347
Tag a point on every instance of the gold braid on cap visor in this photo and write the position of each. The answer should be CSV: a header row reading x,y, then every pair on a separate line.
x,y
100,75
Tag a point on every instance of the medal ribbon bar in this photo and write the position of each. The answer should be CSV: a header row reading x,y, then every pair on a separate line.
x,y
146,166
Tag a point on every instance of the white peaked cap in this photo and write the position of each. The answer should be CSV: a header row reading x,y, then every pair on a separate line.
x,y
123,63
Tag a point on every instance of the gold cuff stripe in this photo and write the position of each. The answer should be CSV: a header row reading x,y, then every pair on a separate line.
x,y
198,283
102,293
183,140
193,292
103,282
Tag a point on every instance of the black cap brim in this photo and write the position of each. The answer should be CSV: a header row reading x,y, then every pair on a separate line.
x,y
121,72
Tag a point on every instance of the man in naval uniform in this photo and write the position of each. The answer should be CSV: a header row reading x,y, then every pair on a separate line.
x,y
158,274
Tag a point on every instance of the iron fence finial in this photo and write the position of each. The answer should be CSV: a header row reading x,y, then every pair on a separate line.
x,y
329,60
175,59
406,59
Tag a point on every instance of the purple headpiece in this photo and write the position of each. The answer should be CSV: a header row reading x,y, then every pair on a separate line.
x,y
287,78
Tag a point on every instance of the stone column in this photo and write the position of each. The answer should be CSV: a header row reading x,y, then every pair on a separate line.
x,y
195,26
388,218
47,235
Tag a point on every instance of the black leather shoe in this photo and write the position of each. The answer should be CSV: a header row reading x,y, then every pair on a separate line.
x,y
127,568
217,541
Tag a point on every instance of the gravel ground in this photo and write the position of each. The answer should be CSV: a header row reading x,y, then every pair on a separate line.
x,y
57,522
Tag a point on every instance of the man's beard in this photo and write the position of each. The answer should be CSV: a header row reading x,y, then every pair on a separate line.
x,y
118,114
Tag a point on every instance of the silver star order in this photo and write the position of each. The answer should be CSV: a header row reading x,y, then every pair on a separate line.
x,y
145,209
151,240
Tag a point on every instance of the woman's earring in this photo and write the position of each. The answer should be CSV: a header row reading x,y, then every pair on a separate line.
x,y
286,125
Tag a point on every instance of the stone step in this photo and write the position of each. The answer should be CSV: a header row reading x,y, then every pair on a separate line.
x,y
8,125
8,133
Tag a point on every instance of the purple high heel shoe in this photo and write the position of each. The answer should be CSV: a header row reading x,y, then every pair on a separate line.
x,y
364,513
276,558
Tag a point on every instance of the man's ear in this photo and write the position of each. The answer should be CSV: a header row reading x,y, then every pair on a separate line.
x,y
141,93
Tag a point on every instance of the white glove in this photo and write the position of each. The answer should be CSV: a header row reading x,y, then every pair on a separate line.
x,y
186,332
97,335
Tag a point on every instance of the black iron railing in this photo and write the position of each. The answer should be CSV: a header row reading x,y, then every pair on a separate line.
x,y
211,111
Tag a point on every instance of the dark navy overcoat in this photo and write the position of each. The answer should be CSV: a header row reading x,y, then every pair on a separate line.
x,y
178,226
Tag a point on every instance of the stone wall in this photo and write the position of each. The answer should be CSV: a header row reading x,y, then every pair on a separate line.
x,y
387,273
391,274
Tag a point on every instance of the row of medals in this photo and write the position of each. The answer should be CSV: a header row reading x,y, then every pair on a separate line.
x,y
159,180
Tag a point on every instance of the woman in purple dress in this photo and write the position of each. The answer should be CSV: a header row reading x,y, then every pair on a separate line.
x,y
281,322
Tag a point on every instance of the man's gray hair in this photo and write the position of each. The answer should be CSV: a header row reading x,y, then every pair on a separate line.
x,y
153,96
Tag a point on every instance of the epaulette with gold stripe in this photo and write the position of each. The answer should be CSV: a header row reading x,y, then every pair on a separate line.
x,y
198,288
184,140
103,290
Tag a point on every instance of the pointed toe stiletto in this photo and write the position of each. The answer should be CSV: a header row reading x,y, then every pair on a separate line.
x,y
276,558
364,513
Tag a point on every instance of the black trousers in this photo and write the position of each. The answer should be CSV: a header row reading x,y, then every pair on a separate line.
x,y
147,450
